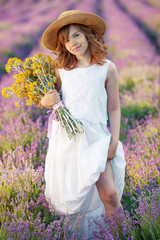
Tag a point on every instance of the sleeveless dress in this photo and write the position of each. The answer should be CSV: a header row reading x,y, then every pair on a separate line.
x,y
73,167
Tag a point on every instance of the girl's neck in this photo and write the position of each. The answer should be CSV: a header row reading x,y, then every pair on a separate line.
x,y
84,64
84,61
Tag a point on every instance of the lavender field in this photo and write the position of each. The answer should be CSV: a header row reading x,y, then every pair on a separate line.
x,y
133,41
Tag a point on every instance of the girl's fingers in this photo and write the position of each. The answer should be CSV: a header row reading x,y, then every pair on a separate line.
x,y
51,97
50,91
58,97
57,100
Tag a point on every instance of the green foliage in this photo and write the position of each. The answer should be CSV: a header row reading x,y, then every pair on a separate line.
x,y
2,69
136,112
25,44
9,53
129,85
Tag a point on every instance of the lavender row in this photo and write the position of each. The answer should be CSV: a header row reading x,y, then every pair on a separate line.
x,y
20,33
127,43
24,210
147,17
154,3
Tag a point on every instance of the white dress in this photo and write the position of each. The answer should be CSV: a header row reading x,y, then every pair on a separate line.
x,y
73,167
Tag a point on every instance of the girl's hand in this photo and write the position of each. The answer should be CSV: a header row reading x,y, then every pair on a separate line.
x,y
50,98
112,150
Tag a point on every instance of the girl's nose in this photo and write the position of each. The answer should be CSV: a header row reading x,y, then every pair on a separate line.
x,y
73,41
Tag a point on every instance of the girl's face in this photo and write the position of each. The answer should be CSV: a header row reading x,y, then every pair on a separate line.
x,y
76,43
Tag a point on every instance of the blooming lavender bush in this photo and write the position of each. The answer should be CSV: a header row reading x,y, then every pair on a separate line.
x,y
24,212
139,95
141,197
142,152
142,223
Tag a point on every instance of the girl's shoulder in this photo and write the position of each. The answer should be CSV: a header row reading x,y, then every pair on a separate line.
x,y
110,63
112,69
112,73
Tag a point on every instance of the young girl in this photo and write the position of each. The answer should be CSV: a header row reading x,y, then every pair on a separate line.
x,y
85,176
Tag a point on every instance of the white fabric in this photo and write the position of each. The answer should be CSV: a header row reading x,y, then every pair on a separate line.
x,y
84,92
73,167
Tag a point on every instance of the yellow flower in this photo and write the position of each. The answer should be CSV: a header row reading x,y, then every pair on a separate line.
x,y
7,92
35,65
31,86
28,103
35,99
10,64
32,78
55,80
17,105
27,86
28,72
38,55
14,86
51,84
37,72
17,62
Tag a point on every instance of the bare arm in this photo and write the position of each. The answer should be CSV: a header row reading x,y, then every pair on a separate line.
x,y
113,104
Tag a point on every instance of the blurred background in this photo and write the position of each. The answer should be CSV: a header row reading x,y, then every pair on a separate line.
x,y
132,37
133,42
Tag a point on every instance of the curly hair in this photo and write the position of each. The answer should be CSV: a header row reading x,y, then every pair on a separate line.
x,y
69,61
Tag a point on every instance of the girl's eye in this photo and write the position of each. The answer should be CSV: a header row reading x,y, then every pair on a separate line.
x,y
76,35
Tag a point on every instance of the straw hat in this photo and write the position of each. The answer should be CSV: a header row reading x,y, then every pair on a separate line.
x,y
49,38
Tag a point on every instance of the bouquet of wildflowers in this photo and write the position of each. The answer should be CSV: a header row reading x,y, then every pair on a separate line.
x,y
36,77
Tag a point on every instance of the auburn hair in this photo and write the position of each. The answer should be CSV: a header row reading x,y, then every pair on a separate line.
x,y
69,61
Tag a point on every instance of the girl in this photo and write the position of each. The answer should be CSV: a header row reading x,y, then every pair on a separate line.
x,y
85,176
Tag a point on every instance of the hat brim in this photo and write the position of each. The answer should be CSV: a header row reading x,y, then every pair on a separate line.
x,y
49,37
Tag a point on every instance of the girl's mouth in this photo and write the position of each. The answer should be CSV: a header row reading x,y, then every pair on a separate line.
x,y
75,49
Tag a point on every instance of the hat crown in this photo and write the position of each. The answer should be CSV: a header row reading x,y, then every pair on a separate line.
x,y
70,12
